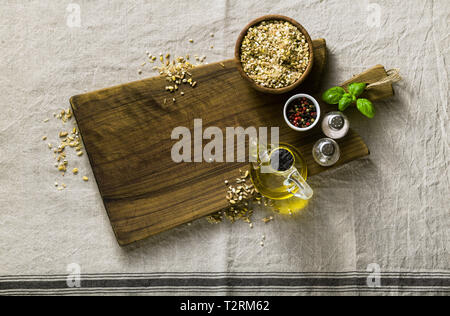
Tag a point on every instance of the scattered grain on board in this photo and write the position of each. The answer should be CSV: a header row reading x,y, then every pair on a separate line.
x,y
240,198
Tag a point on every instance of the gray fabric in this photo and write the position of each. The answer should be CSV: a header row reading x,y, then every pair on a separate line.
x,y
391,208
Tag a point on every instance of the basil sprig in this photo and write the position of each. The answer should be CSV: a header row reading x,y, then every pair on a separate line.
x,y
333,95
365,107
339,96
356,88
346,100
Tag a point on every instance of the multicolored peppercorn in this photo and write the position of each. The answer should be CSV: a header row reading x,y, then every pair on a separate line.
x,y
302,113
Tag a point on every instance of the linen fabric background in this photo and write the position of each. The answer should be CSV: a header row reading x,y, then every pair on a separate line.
x,y
390,209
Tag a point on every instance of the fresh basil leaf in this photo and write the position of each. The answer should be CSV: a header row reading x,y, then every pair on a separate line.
x,y
356,88
333,95
365,107
346,100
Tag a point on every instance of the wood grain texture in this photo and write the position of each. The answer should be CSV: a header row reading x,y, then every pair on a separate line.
x,y
127,135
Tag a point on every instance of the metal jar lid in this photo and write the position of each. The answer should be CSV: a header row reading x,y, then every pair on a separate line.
x,y
335,125
327,148
326,152
336,122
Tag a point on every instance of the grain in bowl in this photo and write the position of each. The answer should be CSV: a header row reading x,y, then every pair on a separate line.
x,y
275,54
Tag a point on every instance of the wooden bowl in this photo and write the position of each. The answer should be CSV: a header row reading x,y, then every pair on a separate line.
x,y
237,54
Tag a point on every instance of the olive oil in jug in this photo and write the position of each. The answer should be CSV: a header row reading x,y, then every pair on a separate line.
x,y
280,173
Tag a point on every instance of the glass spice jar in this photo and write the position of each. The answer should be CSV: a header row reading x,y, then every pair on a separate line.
x,y
335,125
326,152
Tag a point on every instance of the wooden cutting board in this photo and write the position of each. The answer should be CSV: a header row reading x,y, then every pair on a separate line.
x,y
127,135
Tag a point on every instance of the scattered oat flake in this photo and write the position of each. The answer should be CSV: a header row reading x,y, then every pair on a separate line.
x,y
176,72
240,196
64,115
62,168
267,219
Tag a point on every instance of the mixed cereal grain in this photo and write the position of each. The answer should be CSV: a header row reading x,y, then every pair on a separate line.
x,y
275,54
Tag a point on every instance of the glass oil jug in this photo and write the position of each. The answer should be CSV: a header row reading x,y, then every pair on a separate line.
x,y
279,172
